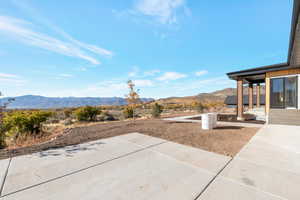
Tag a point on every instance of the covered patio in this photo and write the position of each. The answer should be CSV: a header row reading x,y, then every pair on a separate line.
x,y
253,83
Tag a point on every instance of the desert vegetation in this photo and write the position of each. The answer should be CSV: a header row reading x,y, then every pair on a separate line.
x,y
19,127
20,124
87,113
157,110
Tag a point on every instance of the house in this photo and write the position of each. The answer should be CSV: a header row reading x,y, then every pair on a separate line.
x,y
282,89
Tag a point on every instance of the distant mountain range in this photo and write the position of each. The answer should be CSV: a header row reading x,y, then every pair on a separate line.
x,y
40,102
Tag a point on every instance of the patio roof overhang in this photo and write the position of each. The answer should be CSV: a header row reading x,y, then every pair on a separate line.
x,y
257,75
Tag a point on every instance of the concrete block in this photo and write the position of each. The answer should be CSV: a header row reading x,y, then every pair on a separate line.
x,y
263,153
142,175
203,159
278,182
29,170
281,135
3,169
141,139
228,190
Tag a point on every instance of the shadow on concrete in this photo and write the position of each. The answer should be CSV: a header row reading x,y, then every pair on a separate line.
x,y
70,150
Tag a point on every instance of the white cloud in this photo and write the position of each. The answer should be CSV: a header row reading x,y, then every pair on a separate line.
x,y
3,75
165,11
134,72
11,79
25,6
151,72
65,75
22,31
108,85
202,72
207,84
169,76
104,88
143,83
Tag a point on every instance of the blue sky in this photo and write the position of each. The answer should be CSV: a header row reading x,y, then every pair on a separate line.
x,y
167,47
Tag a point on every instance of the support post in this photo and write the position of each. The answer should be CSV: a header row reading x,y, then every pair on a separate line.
x,y
258,95
267,100
250,93
240,100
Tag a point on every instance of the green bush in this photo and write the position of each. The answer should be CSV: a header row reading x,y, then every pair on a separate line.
x,y
87,113
20,123
2,137
156,110
128,112
199,107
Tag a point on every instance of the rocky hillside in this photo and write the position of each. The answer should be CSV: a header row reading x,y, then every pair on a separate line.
x,y
216,96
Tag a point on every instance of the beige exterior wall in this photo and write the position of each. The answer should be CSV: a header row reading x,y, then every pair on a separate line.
x,y
282,73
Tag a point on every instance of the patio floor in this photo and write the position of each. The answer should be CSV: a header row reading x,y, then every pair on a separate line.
x,y
137,167
267,168
133,166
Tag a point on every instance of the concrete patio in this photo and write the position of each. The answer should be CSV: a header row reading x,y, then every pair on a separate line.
x,y
137,166
133,166
267,168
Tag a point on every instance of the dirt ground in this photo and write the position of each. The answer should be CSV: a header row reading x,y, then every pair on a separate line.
x,y
223,140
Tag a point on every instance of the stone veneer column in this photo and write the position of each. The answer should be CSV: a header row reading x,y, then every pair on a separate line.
x,y
258,95
240,100
250,94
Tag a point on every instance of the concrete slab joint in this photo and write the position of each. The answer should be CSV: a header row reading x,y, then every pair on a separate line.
x,y
4,167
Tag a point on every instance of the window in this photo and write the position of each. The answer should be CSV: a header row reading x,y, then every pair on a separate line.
x,y
284,92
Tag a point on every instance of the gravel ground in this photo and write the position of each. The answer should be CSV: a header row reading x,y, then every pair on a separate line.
x,y
223,140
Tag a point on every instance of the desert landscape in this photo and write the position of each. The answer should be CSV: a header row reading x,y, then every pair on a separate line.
x,y
58,127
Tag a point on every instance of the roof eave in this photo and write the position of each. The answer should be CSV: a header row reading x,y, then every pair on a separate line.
x,y
257,71
295,16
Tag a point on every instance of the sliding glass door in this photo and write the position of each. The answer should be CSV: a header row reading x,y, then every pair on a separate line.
x,y
291,92
277,93
284,92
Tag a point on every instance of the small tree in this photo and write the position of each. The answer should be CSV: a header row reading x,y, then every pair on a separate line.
x,y
133,98
156,110
128,112
87,113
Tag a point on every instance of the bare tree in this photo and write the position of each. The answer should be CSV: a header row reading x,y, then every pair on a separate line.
x,y
133,97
